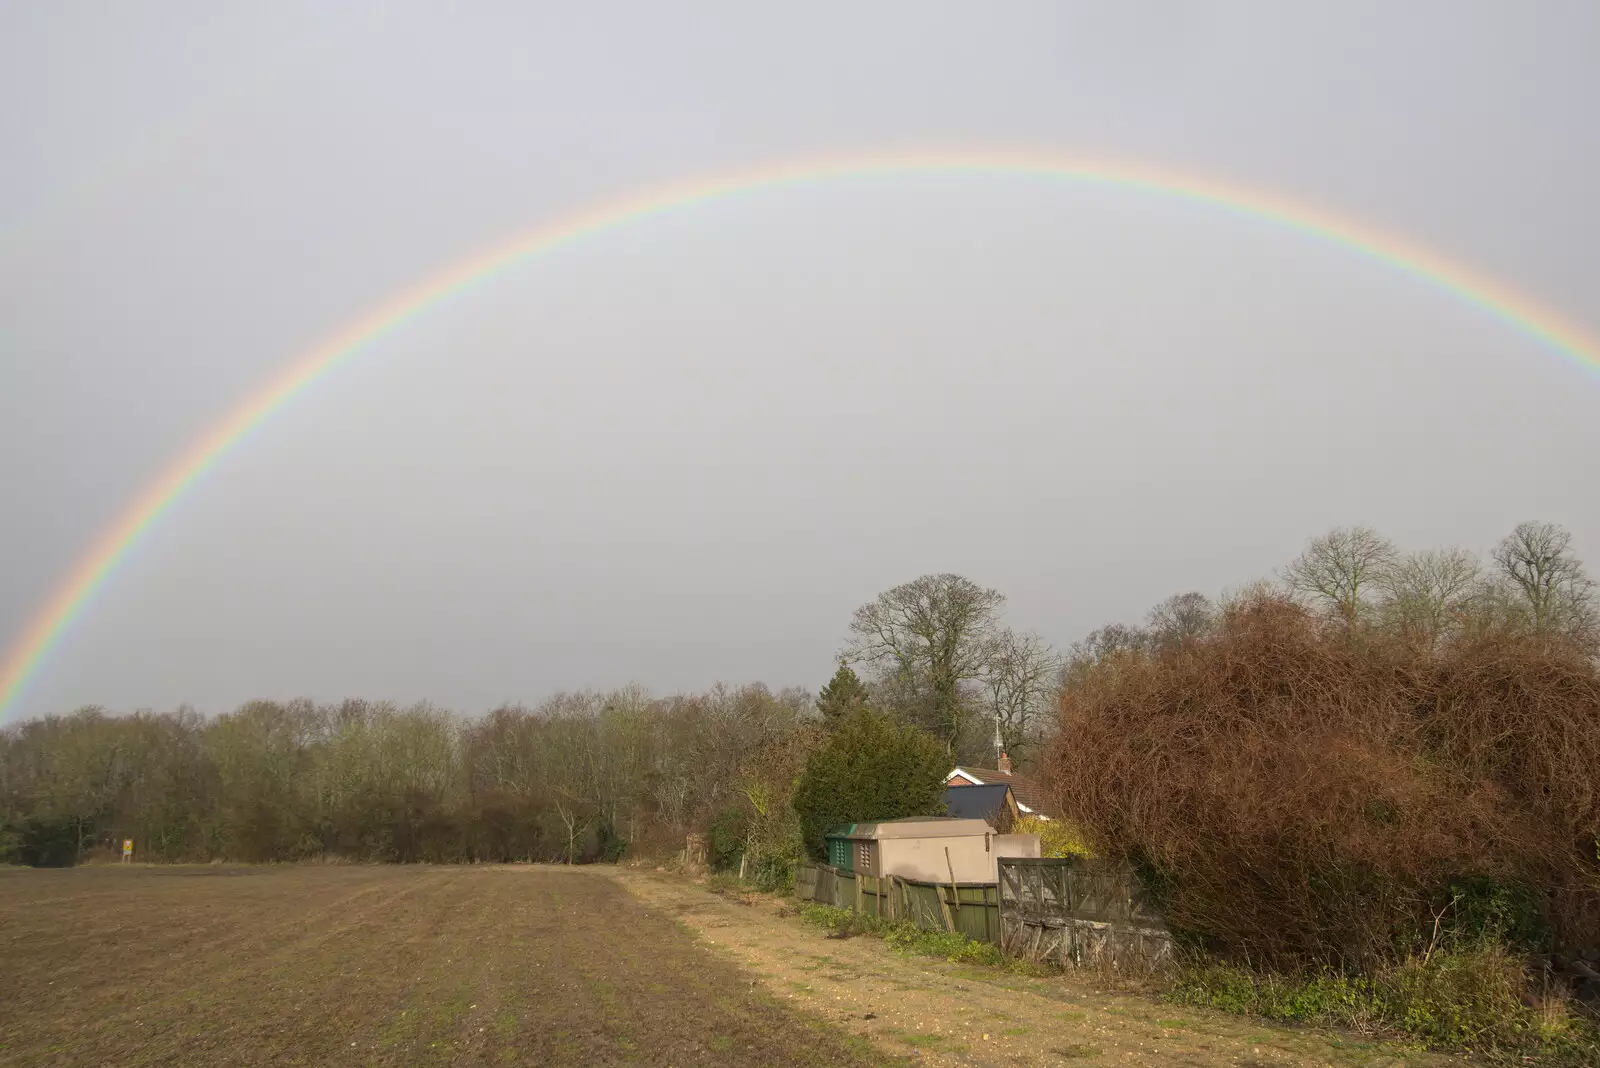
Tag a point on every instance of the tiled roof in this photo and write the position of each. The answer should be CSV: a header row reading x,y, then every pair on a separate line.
x,y
1030,795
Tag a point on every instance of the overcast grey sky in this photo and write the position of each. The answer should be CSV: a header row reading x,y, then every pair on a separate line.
x,y
684,450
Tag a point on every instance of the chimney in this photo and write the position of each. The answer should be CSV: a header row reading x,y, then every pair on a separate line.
x,y
1004,764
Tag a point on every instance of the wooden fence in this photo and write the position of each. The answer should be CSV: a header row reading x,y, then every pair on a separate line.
x,y
973,909
1079,912
1065,912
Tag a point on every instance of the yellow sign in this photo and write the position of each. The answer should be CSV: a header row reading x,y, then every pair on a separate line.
x,y
127,847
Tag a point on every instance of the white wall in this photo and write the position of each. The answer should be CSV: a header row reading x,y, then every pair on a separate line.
x,y
1013,845
923,859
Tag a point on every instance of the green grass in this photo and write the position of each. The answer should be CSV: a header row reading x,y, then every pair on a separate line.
x,y
954,947
951,946
1469,1000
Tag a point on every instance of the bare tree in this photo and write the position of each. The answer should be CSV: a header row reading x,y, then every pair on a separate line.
x,y
1181,619
1021,685
1100,645
928,637
1430,592
1554,591
1342,570
766,777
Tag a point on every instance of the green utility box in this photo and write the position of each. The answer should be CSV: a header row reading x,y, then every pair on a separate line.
x,y
840,855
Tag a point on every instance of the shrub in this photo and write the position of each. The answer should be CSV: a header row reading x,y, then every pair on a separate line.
x,y
1484,910
725,842
870,768
1309,796
48,843
831,917
952,946
1057,838
1471,998
612,845
773,874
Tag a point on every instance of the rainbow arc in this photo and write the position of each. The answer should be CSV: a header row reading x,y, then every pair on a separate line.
x,y
51,619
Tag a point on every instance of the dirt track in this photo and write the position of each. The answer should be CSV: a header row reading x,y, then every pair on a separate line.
x,y
946,1014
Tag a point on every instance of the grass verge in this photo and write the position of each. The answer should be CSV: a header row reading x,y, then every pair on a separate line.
x,y
1474,1000
952,946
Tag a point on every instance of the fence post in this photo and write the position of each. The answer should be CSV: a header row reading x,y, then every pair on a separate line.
x,y
955,895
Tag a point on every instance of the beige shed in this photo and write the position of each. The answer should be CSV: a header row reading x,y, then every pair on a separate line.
x,y
931,849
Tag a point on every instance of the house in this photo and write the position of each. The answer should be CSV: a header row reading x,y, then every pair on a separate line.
x,y
930,849
1031,796
994,803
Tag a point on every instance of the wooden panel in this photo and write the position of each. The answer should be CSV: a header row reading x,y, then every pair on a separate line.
x,y
1070,912
974,907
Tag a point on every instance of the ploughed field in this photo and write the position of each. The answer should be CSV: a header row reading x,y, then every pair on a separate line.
x,y
373,966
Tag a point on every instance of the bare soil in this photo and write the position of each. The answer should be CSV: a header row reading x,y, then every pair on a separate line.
x,y
373,966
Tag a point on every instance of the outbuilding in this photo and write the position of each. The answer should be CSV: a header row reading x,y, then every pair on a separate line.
x,y
993,803
931,849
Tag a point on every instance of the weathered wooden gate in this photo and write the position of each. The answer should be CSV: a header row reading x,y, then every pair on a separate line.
x,y
1068,911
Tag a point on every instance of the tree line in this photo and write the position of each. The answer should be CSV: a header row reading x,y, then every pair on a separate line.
x,y
579,777
575,778
1532,585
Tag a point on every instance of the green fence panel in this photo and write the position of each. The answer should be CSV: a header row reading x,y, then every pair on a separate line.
x,y
974,908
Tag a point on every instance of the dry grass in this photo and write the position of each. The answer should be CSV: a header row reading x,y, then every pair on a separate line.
x,y
371,966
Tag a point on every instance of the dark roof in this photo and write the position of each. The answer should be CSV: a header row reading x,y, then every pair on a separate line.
x,y
912,826
976,802
1030,795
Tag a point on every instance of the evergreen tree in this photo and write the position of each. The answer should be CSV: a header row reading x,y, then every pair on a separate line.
x,y
844,694
871,768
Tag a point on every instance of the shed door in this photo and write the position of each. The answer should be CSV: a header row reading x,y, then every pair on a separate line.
x,y
839,853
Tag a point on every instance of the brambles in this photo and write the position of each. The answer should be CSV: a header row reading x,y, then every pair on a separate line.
x,y
1371,801
1312,799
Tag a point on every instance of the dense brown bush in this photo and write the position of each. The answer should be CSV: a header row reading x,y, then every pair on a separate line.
x,y
1302,792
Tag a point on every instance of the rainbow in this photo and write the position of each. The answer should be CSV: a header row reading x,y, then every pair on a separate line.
x,y
52,618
